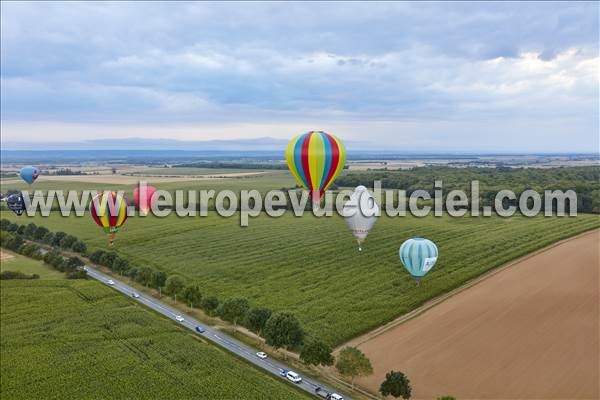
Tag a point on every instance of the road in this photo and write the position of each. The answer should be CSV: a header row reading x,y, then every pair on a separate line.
x,y
218,337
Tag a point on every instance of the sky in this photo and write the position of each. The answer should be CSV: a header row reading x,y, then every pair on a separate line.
x,y
490,77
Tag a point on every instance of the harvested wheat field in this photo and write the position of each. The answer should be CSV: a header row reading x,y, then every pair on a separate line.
x,y
530,331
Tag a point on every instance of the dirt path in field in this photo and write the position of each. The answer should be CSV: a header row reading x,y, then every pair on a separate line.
x,y
5,256
531,331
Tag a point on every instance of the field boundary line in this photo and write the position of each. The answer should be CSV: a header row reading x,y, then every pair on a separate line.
x,y
439,299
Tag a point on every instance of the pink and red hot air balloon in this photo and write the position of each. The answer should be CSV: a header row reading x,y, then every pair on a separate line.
x,y
142,198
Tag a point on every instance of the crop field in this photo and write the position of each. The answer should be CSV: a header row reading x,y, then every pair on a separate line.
x,y
78,339
18,263
311,266
528,332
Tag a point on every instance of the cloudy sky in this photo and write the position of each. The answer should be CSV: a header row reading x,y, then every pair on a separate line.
x,y
495,77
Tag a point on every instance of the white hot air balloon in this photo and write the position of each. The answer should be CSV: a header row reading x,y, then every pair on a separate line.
x,y
360,212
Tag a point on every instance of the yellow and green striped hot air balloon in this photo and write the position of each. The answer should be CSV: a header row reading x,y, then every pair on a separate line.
x,y
315,159
109,211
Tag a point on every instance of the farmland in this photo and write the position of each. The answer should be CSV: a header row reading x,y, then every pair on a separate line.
x,y
18,263
310,266
529,332
79,339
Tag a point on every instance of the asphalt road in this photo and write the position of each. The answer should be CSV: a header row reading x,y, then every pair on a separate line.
x,y
218,337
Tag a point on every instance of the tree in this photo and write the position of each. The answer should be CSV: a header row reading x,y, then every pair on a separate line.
x,y
144,275
79,247
352,363
12,227
174,286
446,398
58,236
40,232
30,230
233,310
67,241
120,265
108,258
21,229
71,264
257,318
158,279
210,305
48,238
4,224
316,352
396,384
283,330
192,295
96,257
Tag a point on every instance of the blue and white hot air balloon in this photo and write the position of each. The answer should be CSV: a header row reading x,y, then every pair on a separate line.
x,y
418,255
29,173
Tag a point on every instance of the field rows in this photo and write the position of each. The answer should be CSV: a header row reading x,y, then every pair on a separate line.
x,y
311,267
79,339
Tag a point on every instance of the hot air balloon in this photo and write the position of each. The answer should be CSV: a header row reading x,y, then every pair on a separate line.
x,y
109,211
142,197
16,203
360,213
29,174
418,256
315,159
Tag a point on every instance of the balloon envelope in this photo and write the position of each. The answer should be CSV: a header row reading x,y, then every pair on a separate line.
x,y
315,159
16,203
29,173
142,197
109,211
360,213
418,255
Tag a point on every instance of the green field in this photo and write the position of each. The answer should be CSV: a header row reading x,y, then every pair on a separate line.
x,y
178,171
79,339
18,263
311,267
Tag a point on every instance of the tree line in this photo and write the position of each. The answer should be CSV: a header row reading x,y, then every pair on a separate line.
x,y
585,181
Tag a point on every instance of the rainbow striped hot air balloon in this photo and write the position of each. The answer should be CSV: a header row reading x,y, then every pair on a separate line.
x,y
418,256
109,211
315,159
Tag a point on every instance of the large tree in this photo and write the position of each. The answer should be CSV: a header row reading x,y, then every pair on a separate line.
x,y
316,352
396,384
210,305
174,286
192,295
257,318
144,275
283,330
233,310
158,279
352,363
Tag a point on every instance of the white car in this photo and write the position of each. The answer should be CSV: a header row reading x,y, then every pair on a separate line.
x,y
179,318
110,282
261,354
135,295
294,377
335,396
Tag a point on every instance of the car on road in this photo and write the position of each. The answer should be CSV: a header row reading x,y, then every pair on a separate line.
x,y
294,377
179,318
200,329
283,372
261,354
335,396
135,295
110,282
319,391
85,268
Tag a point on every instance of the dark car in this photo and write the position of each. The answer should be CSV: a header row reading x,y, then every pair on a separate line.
x,y
200,329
